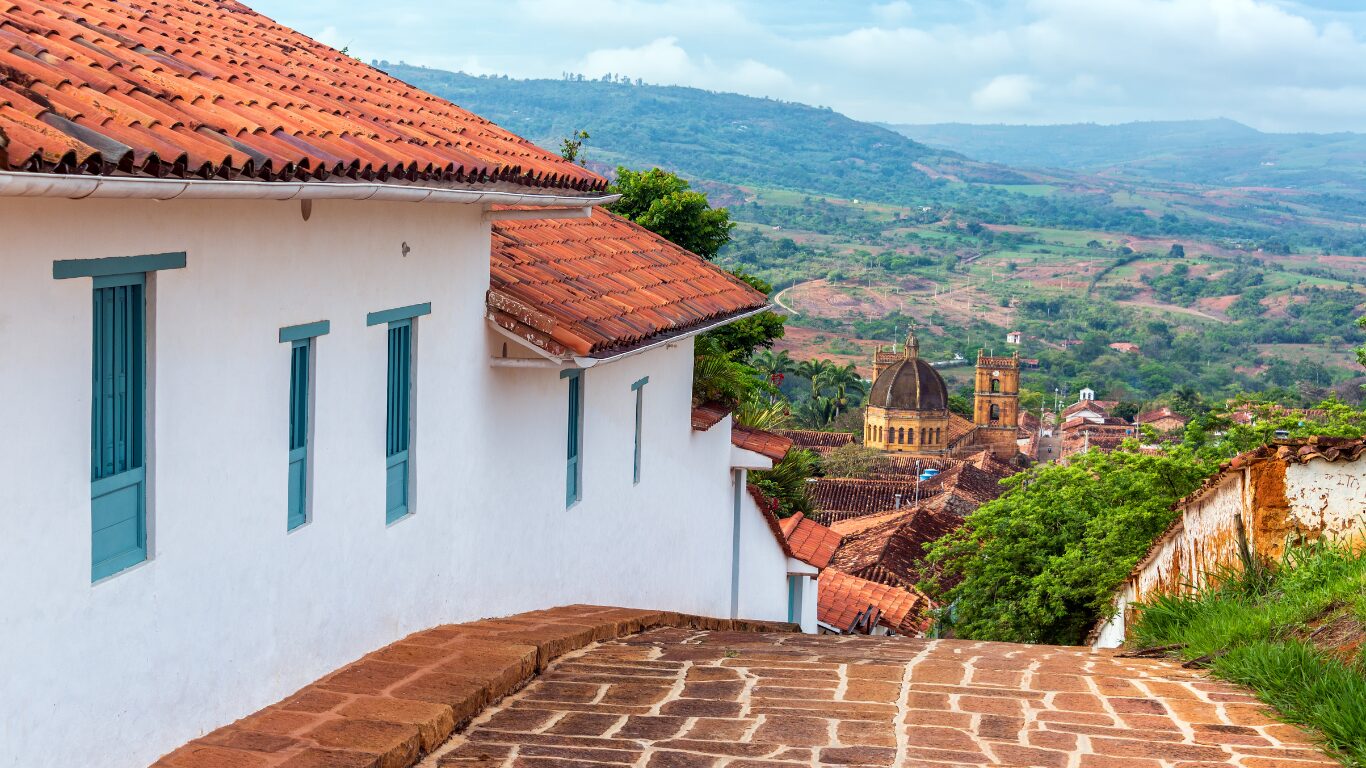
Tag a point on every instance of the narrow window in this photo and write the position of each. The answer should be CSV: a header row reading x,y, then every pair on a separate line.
x,y
995,412
995,385
794,598
301,355
298,433
574,439
639,388
399,420
118,475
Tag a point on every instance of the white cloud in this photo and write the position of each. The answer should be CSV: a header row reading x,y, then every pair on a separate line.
x,y
665,61
1005,93
1281,64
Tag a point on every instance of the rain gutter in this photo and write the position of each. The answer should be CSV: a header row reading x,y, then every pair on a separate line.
x,y
23,184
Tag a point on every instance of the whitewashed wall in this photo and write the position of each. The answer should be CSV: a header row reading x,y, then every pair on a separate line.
x,y
764,568
231,612
1317,499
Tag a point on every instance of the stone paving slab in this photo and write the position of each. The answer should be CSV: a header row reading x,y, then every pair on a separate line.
x,y
688,698
391,707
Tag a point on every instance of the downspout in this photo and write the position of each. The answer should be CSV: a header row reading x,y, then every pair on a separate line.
x,y
741,478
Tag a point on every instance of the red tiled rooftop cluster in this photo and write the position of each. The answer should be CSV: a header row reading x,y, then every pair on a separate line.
x,y
195,89
842,597
605,283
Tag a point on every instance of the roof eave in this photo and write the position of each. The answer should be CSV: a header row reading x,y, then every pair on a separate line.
x,y
664,339
77,187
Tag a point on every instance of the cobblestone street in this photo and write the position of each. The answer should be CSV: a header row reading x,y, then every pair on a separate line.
x,y
679,698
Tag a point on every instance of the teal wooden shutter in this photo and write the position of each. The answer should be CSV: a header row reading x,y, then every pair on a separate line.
x,y
299,376
118,476
399,419
639,388
574,465
794,599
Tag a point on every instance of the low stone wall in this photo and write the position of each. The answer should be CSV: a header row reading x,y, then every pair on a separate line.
x,y
396,704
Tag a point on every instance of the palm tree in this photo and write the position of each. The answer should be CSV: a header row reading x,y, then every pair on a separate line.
x,y
843,379
811,370
815,412
762,414
772,364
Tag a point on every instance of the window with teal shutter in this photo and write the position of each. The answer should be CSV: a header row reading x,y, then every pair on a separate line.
x,y
118,475
399,419
300,338
639,389
574,439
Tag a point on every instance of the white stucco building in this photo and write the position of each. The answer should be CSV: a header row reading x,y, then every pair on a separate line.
x,y
267,408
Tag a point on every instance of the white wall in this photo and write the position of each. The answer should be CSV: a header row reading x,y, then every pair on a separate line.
x,y
763,566
231,612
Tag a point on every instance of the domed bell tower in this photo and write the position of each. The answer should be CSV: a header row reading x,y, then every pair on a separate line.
x,y
996,410
907,410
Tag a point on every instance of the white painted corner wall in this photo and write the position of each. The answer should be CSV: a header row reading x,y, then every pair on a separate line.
x,y
231,612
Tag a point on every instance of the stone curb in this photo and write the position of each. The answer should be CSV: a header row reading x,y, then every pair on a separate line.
x,y
393,706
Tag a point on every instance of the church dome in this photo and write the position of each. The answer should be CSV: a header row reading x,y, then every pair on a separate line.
x,y
910,384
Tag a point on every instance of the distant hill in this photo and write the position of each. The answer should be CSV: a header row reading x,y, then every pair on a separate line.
x,y
1213,152
701,134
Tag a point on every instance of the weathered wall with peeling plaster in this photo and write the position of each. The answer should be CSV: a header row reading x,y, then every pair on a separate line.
x,y
1279,502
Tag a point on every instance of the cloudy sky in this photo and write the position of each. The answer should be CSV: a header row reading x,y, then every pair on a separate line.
x,y
1279,65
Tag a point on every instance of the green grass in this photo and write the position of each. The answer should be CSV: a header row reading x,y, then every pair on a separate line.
x,y
1288,632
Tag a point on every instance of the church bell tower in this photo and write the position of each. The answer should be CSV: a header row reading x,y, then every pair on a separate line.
x,y
996,408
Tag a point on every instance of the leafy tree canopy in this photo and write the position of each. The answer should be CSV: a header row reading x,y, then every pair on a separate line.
x,y
662,203
1041,563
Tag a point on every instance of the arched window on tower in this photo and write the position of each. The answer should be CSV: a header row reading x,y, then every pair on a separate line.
x,y
939,435
995,385
995,412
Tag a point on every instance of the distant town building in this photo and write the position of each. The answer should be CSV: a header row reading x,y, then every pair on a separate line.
x,y
1014,337
908,406
1163,420
1126,347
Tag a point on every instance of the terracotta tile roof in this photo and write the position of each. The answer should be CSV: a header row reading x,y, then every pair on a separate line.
x,y
891,552
811,542
197,89
708,415
600,285
815,440
870,496
958,427
1095,406
842,597
967,482
764,443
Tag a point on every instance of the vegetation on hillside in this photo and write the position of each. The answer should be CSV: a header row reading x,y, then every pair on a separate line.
x,y
1294,632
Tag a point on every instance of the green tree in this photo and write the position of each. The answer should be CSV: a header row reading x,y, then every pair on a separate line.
x,y
852,460
843,380
786,482
1041,563
663,203
811,370
572,147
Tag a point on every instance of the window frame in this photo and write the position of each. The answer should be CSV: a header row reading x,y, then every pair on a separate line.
x,y
302,385
395,456
639,389
574,417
